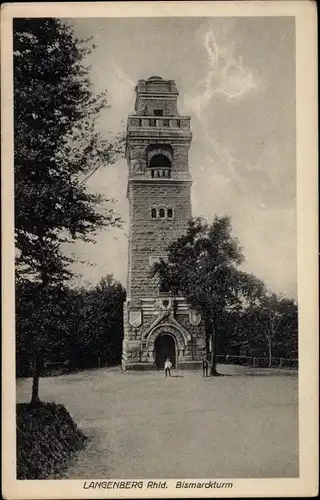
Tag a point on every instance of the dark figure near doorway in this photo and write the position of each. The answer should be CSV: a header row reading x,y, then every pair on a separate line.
x,y
205,367
167,367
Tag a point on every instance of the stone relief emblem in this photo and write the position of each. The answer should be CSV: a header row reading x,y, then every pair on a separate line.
x,y
142,110
194,317
137,165
165,304
135,318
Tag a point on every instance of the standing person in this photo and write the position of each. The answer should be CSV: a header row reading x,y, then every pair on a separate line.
x,y
167,367
205,367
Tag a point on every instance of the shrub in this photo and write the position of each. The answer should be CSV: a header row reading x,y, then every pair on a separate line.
x,y
47,437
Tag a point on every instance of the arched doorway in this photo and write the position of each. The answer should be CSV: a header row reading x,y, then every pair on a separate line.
x,y
165,347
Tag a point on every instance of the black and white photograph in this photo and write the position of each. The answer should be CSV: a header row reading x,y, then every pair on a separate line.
x,y
160,334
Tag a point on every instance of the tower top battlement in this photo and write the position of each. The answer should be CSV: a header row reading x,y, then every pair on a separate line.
x,y
156,88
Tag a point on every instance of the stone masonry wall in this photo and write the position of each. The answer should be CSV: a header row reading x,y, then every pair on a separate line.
x,y
169,107
150,237
137,350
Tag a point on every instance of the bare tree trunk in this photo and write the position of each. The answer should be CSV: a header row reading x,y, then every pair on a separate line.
x,y
213,367
35,379
38,358
269,355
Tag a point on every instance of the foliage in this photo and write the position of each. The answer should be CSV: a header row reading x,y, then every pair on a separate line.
x,y
203,266
84,327
47,437
42,316
98,324
269,328
242,316
57,144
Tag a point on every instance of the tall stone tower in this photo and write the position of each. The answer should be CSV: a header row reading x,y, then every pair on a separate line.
x,y
156,324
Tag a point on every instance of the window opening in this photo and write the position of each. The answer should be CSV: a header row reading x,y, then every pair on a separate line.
x,y
160,161
154,213
164,287
161,213
158,112
170,213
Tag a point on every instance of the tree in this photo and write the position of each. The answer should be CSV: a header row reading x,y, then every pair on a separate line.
x,y
57,144
41,314
203,266
98,330
270,326
86,325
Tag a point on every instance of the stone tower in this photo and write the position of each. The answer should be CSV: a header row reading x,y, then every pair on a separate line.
x,y
156,324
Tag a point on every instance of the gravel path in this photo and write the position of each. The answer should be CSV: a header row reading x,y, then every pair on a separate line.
x,y
142,425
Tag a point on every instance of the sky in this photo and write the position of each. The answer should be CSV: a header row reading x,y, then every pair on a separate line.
x,y
236,79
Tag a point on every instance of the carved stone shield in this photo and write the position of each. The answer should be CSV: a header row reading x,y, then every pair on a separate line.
x,y
135,318
164,304
194,317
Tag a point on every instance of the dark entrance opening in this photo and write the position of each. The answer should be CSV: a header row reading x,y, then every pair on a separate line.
x,y
165,347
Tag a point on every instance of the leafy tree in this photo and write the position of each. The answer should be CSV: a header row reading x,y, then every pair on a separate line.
x,y
41,313
98,328
271,327
203,266
83,327
26,320
57,144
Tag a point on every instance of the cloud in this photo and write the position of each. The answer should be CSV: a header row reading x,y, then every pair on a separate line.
x,y
120,97
122,87
227,74
120,91
211,158
265,177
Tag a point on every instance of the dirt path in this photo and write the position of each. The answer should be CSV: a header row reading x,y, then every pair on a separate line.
x,y
142,425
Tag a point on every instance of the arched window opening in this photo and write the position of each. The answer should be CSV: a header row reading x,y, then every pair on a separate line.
x,y
153,213
170,213
160,166
164,287
159,161
161,213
